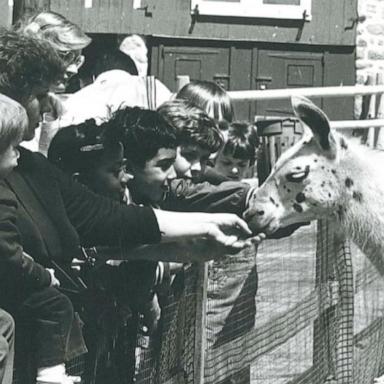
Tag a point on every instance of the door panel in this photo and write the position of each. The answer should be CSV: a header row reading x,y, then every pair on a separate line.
x,y
198,63
282,69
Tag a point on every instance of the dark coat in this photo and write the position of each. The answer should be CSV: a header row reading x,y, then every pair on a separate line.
x,y
55,214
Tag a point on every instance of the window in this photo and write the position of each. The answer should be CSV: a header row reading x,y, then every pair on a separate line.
x,y
281,9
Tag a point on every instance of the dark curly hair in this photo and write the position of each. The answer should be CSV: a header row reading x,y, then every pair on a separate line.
x,y
26,65
242,141
143,132
193,125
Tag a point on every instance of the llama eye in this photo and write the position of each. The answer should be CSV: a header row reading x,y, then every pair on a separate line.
x,y
297,177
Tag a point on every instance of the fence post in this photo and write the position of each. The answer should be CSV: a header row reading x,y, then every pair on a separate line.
x,y
200,334
371,112
380,114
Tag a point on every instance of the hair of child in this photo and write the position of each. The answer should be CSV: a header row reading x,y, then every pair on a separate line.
x,y
242,141
78,148
61,33
13,122
143,132
210,97
193,125
26,64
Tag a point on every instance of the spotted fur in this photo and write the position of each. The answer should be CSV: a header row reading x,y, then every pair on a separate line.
x,y
324,175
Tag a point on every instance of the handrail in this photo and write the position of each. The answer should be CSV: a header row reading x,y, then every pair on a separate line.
x,y
271,94
364,124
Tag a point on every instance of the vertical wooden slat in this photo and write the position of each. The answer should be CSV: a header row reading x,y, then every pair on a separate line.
x,y
380,114
371,111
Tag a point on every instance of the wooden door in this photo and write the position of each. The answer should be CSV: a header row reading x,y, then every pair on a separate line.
x,y
280,69
199,63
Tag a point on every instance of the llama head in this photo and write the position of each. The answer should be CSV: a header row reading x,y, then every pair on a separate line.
x,y
303,184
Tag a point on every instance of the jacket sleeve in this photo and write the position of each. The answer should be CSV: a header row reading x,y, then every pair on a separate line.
x,y
101,221
229,197
13,261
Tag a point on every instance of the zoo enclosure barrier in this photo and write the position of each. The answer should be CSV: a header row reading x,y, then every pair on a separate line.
x,y
304,309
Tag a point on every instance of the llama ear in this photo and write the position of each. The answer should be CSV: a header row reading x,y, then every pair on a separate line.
x,y
317,121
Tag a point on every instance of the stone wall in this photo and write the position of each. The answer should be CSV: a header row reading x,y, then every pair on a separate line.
x,y
369,44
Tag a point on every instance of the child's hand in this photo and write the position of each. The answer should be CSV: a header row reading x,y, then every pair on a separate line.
x,y
228,230
54,281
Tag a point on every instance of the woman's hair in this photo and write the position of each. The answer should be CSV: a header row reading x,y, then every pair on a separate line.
x,y
13,122
193,125
210,97
27,64
64,35
79,148
143,132
242,141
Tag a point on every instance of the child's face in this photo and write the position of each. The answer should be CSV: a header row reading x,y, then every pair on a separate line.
x,y
8,160
151,183
191,161
231,167
109,178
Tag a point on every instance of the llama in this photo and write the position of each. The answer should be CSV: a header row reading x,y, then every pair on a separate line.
x,y
323,175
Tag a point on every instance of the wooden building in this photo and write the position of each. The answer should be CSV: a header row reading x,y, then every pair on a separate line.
x,y
241,52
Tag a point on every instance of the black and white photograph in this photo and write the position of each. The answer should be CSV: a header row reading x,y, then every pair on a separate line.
x,y
191,192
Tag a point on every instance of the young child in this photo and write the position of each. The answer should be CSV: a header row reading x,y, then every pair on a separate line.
x,y
210,97
217,104
13,123
150,148
89,157
95,158
237,157
198,137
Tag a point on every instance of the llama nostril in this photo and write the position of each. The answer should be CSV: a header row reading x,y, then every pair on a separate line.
x,y
259,213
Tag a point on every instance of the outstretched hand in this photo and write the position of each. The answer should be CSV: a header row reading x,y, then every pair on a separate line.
x,y
231,231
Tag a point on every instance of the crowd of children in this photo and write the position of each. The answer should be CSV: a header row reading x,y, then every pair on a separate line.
x,y
107,185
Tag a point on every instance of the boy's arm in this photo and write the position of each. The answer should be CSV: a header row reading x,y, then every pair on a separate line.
x,y
12,257
102,221
229,197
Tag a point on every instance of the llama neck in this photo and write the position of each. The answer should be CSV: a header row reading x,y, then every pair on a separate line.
x,y
362,204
